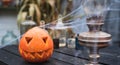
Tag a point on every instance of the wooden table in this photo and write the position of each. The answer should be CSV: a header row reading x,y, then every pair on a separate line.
x,y
63,56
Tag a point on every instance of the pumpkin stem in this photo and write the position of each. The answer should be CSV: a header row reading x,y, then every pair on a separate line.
x,y
28,39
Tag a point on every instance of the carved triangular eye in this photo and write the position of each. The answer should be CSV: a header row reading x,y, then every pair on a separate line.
x,y
28,39
44,39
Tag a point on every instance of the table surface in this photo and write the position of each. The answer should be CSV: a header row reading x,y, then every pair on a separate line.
x,y
9,55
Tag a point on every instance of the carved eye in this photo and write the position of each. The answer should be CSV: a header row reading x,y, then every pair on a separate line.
x,y
28,39
44,39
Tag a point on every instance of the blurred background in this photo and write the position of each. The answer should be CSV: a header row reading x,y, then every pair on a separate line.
x,y
14,12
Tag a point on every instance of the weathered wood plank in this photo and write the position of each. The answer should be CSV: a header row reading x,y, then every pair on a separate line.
x,y
12,49
2,63
56,55
69,59
76,53
10,56
108,55
72,56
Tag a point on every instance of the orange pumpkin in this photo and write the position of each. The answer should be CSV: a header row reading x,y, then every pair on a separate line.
x,y
36,45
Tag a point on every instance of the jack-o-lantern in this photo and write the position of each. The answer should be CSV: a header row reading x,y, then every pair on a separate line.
x,y
36,45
